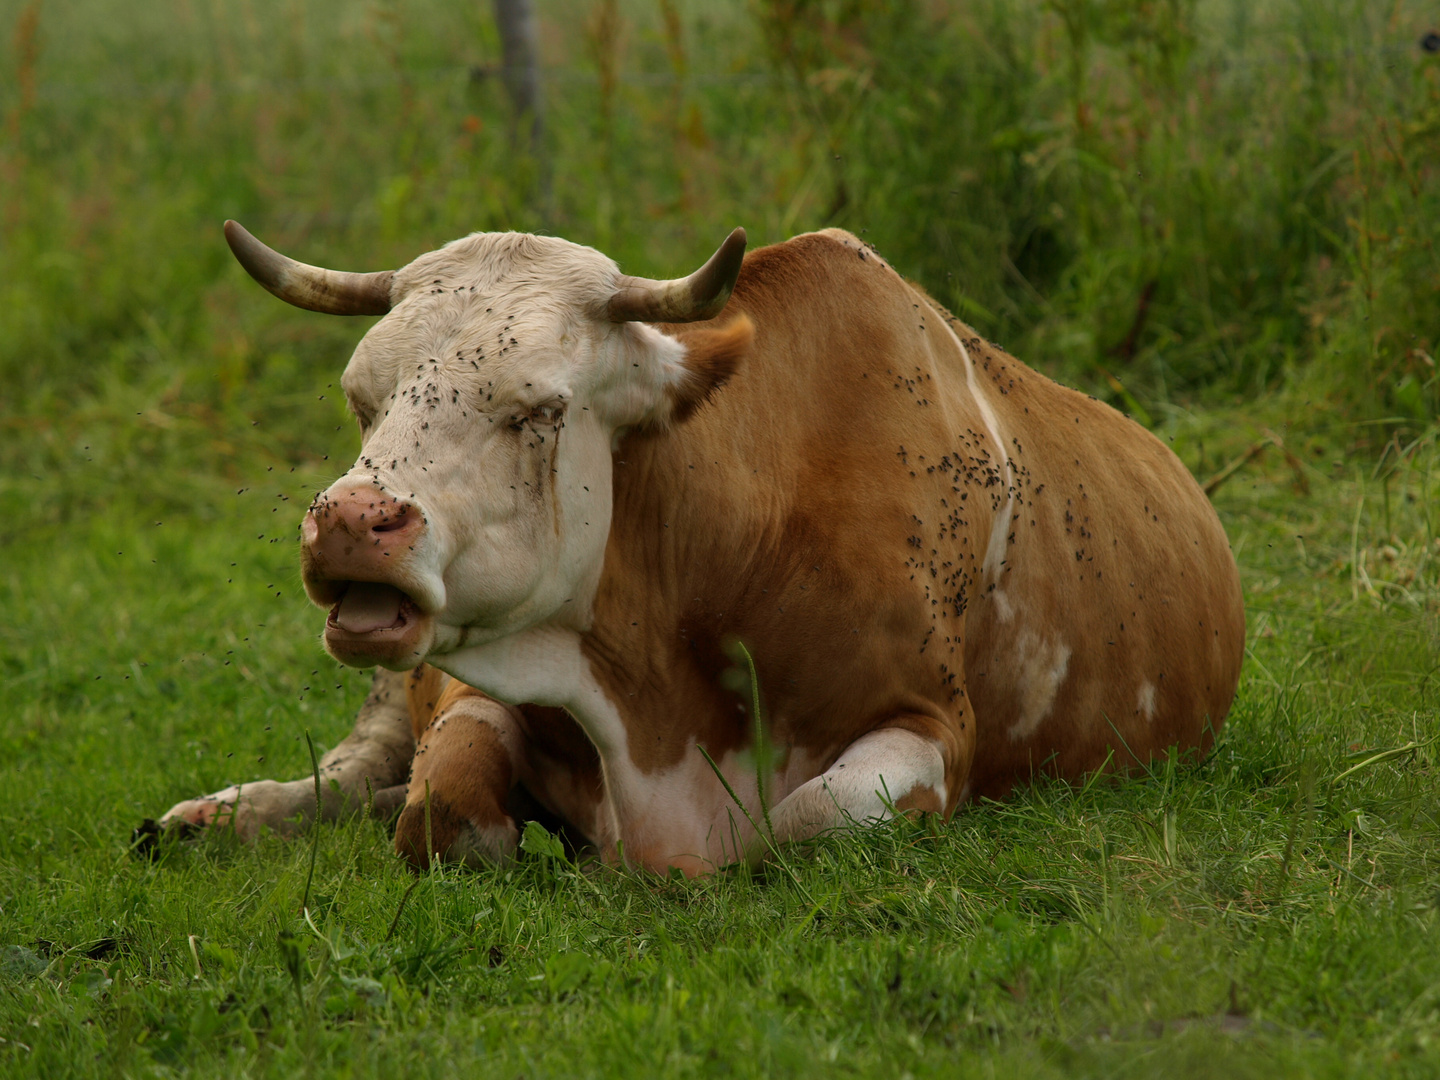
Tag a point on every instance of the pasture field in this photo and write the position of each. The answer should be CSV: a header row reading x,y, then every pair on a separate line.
x,y
1273,911
1217,215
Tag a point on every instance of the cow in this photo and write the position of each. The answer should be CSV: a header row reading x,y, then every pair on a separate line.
x,y
596,520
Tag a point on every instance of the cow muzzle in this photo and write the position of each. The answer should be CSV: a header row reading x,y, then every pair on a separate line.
x,y
360,558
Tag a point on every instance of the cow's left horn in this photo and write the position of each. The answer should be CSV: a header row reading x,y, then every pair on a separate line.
x,y
335,292
702,295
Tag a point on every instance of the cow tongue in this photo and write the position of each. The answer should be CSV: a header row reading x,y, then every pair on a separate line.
x,y
368,606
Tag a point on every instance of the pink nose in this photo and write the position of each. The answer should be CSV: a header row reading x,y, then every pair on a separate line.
x,y
358,534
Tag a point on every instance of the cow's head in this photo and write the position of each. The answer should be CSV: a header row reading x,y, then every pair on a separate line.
x,y
489,399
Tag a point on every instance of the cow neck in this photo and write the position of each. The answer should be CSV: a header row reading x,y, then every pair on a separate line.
x,y
684,517
757,496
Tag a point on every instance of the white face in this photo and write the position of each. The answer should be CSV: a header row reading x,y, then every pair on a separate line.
x,y
488,402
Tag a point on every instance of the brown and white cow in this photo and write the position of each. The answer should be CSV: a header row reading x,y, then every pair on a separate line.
x,y
578,490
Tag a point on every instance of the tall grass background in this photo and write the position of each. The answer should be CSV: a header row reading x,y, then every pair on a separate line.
x,y
1167,202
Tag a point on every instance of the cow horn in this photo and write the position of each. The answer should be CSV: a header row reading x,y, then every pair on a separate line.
x,y
702,295
334,292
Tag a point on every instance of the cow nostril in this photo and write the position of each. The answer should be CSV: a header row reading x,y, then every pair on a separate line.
x,y
392,524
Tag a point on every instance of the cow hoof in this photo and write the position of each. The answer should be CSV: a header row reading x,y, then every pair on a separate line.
x,y
245,809
193,815
147,839
452,837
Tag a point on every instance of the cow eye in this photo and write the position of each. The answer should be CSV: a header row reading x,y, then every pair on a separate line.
x,y
364,417
551,414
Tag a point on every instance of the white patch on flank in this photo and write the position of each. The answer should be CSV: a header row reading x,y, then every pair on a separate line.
x,y
1003,607
1000,528
1040,667
1145,702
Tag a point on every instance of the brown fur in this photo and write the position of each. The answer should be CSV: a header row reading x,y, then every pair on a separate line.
x,y
834,508
920,800
462,771
466,770
711,357
833,511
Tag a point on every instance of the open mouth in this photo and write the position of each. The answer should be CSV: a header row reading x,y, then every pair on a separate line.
x,y
370,609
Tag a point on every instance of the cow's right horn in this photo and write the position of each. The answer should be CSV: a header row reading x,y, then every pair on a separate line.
x,y
335,292
702,295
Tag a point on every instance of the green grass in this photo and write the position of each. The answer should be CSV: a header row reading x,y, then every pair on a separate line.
x,y
1272,911
1262,175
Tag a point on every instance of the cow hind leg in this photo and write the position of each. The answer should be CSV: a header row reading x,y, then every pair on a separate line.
x,y
457,806
889,770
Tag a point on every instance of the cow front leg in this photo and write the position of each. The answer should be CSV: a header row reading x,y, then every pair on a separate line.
x,y
887,770
466,762
368,767
481,767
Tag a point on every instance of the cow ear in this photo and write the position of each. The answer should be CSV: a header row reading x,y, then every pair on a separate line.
x,y
712,356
